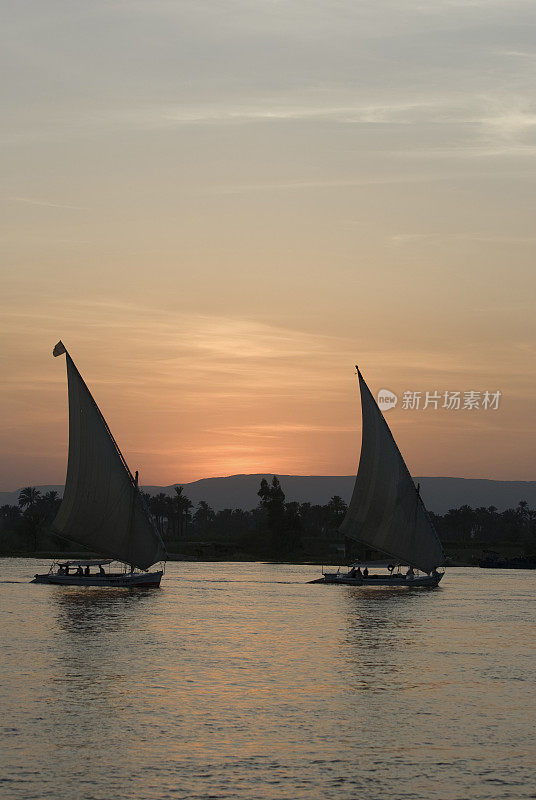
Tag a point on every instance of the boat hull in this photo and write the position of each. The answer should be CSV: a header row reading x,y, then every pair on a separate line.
x,y
427,581
127,580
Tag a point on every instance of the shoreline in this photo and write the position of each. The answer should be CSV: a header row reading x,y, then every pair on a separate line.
x,y
74,555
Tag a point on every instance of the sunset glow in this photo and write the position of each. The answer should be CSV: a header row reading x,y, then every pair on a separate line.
x,y
218,237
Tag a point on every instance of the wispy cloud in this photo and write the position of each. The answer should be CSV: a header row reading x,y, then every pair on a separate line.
x,y
452,124
399,112
333,183
31,201
511,123
408,239
207,355
273,431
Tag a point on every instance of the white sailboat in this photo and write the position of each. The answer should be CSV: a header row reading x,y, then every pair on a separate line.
x,y
102,508
386,511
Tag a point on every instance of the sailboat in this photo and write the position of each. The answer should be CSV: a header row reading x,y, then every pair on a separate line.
x,y
386,511
102,508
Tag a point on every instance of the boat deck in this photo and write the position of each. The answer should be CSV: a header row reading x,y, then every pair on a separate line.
x,y
381,580
121,579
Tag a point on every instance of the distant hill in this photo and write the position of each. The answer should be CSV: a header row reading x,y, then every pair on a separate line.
x,y
240,491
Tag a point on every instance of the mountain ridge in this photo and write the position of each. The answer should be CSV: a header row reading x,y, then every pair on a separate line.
x,y
240,491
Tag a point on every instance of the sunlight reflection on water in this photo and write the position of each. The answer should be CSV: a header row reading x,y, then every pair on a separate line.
x,y
240,680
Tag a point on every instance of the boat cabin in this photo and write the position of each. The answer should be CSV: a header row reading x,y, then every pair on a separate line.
x,y
82,568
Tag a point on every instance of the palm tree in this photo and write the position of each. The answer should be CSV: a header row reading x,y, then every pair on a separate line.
x,y
29,499
204,516
29,496
182,505
51,496
523,512
159,506
50,503
337,509
9,514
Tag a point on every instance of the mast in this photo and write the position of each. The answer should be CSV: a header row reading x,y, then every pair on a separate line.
x,y
131,516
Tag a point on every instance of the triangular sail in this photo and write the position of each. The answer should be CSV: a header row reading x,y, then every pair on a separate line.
x,y
386,511
102,507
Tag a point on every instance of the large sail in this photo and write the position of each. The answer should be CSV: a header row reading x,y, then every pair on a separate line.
x,y
386,511
102,507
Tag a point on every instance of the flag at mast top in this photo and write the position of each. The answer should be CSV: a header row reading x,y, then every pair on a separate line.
x,y
59,349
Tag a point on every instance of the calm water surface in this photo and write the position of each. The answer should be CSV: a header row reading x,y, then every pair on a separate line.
x,y
242,681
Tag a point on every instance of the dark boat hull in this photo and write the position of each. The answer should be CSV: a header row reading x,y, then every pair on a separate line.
x,y
427,581
127,580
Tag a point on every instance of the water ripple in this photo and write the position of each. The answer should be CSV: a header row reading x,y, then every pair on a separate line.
x,y
242,681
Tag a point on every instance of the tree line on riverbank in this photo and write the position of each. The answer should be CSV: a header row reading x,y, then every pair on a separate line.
x,y
274,529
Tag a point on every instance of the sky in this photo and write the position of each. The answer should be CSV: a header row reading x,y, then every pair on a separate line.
x,y
221,207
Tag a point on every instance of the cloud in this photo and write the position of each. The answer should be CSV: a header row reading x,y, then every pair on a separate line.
x,y
511,122
47,204
396,112
402,239
272,431
209,356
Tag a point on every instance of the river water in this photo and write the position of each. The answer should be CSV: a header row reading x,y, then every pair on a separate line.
x,y
242,681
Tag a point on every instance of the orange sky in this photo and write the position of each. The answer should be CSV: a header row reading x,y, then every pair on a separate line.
x,y
220,213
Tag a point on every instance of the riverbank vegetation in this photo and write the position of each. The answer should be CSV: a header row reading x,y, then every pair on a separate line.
x,y
274,530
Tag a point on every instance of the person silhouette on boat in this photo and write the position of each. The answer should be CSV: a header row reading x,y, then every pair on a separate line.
x,y
365,572
101,571
410,574
79,571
